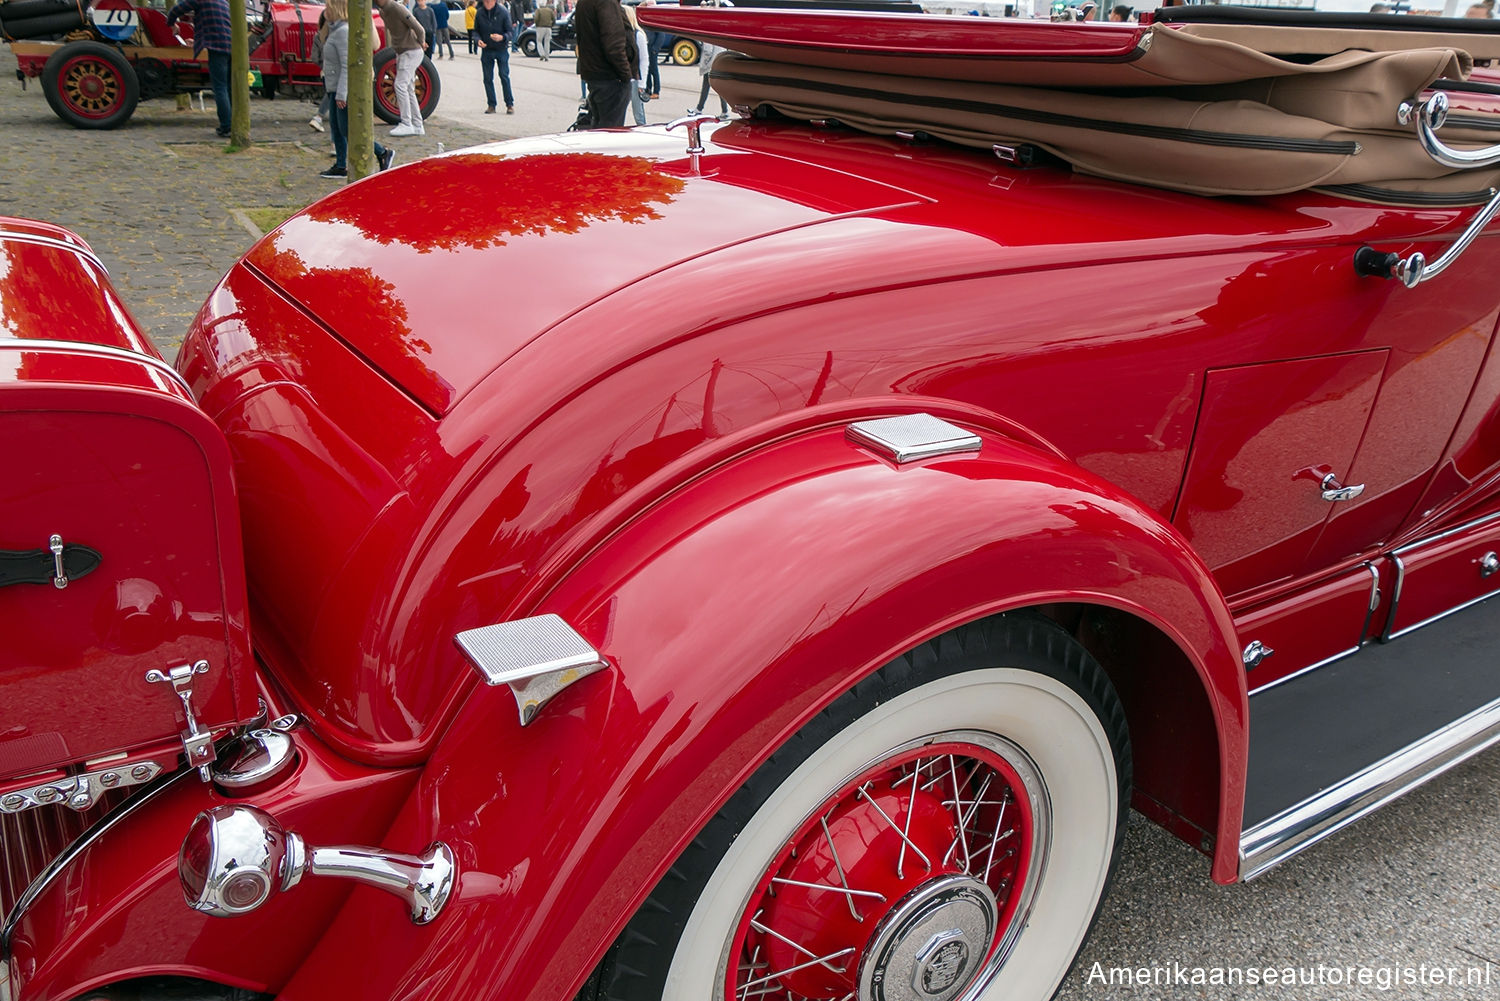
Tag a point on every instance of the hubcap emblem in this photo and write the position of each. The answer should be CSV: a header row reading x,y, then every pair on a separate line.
x,y
941,962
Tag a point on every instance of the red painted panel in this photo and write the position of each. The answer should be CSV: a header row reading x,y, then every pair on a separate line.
x,y
1445,574
1267,434
1315,625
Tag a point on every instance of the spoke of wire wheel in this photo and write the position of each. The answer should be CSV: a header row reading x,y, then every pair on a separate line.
x,y
989,863
963,838
839,866
886,817
813,958
829,889
745,988
1010,853
911,805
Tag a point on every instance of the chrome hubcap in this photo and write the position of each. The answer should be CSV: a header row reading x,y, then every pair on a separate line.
x,y
930,946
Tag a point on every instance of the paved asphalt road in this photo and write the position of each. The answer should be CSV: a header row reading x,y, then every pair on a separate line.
x,y
1416,884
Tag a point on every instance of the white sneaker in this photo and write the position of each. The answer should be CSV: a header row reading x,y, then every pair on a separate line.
x,y
316,122
420,130
403,130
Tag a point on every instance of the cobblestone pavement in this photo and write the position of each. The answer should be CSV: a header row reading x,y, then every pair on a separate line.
x,y
1417,883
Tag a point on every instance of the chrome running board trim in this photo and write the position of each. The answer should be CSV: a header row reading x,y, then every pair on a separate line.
x,y
1284,835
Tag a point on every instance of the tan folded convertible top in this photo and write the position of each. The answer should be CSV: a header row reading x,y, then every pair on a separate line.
x,y
1192,107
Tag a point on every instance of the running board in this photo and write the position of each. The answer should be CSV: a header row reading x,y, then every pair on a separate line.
x,y
1304,825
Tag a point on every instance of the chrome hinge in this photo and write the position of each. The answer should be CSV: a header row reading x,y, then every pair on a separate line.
x,y
80,792
198,745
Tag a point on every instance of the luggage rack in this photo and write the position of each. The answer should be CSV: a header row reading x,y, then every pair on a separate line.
x,y
1412,270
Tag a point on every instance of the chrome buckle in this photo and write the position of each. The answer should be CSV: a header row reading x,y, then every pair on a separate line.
x,y
198,745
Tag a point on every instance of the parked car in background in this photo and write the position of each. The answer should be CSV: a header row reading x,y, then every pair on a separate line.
x,y
856,508
563,37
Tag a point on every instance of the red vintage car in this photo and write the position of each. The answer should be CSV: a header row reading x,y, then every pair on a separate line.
x,y
853,510
117,54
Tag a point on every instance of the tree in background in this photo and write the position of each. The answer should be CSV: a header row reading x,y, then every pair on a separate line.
x,y
239,76
361,94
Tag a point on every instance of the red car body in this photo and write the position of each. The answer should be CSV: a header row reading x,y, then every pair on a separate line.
x,y
645,434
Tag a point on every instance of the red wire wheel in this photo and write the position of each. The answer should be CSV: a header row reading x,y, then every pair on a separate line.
x,y
942,831
90,85
906,882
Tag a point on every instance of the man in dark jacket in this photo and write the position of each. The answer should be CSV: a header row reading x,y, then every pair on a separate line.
x,y
492,26
606,59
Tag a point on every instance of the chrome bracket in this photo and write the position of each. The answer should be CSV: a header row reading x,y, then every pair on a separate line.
x,y
198,744
537,657
79,792
1255,654
1414,268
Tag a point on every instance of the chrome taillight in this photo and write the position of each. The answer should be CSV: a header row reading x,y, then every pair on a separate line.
x,y
235,858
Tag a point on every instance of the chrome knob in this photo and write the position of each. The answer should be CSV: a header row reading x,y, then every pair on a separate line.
x,y
235,858
1488,564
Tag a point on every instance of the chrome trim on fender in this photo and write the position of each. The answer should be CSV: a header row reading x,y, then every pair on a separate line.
x,y
912,436
78,847
537,657
1314,819
98,351
56,244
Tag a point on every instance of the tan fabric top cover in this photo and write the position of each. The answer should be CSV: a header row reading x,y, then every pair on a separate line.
x,y
1202,115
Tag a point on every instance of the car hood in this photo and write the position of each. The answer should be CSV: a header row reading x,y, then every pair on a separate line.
x,y
460,244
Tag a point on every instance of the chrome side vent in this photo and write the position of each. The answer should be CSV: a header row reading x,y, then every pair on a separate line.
x,y
537,657
912,436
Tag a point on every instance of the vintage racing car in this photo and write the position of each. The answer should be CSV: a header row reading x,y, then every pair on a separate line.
x,y
856,508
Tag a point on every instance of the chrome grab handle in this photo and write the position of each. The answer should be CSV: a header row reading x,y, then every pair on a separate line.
x,y
1335,491
694,124
59,575
1414,268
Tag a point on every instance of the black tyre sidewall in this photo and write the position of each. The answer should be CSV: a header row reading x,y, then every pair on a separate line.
x,y
130,86
637,965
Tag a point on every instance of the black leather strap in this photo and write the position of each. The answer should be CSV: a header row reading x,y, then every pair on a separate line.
x,y
37,566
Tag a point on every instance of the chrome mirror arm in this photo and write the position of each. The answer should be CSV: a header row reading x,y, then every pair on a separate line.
x,y
1414,269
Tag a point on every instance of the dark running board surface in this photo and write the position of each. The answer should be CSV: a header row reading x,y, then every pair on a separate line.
x,y
1338,742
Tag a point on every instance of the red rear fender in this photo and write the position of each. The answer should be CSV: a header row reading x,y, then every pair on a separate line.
x,y
731,613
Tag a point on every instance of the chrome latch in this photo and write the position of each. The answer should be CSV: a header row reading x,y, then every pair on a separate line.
x,y
694,124
198,744
59,575
1489,563
1255,654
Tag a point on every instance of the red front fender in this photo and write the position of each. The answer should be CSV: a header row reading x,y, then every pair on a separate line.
x,y
731,613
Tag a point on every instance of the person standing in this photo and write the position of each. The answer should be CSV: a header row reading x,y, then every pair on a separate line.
x,y
423,12
545,18
210,32
606,62
518,23
470,9
336,79
440,16
655,42
638,95
404,33
492,27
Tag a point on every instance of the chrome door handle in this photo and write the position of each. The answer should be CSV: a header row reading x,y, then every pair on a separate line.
x,y
1334,491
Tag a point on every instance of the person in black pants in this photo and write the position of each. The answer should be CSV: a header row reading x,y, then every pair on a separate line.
x,y
606,59
492,26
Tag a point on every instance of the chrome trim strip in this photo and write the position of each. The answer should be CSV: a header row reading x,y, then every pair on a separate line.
x,y
912,436
1307,670
1390,622
1374,600
1390,617
1314,819
56,244
98,350
1443,615
1447,533
78,847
